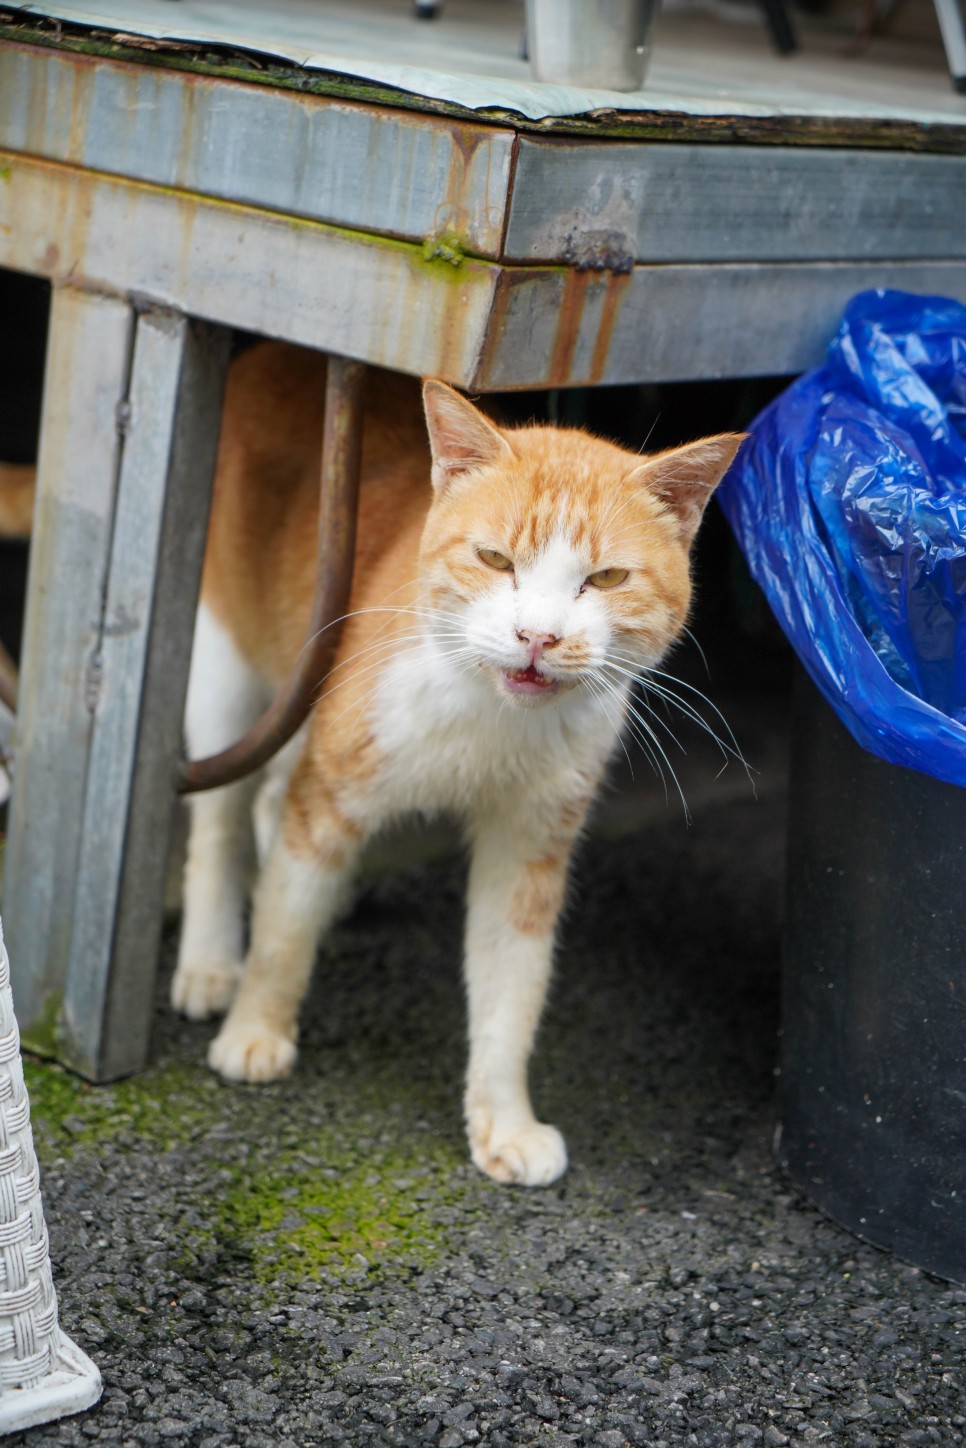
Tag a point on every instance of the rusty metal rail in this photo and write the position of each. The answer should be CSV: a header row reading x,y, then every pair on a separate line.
x,y
338,493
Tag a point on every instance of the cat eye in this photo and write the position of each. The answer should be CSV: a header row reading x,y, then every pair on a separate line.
x,y
608,577
492,559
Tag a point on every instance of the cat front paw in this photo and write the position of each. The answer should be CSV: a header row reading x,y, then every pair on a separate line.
x,y
533,1156
204,989
246,1052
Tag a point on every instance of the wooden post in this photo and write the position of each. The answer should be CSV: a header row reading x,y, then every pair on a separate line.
x,y
91,1003
88,359
160,525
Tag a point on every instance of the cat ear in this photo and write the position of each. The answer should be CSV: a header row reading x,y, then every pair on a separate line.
x,y
685,477
460,437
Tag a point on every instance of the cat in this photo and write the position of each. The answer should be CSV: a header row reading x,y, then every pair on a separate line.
x,y
17,488
509,585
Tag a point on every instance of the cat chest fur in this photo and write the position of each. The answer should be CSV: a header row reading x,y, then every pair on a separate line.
x,y
446,741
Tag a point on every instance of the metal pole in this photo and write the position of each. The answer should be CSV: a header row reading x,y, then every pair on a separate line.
x,y
341,455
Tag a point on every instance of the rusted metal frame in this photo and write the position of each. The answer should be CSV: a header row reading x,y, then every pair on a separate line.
x,y
335,551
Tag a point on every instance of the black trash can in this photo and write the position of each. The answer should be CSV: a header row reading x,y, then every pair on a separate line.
x,y
872,1099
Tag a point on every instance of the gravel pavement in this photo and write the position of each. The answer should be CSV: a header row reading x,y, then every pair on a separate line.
x,y
316,1262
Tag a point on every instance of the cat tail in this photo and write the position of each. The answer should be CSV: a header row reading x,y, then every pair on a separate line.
x,y
18,485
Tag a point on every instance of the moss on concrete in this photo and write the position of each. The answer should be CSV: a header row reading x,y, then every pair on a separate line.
x,y
349,1216
162,1107
305,1203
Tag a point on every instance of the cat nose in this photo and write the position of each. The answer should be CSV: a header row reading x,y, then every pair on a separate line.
x,y
537,642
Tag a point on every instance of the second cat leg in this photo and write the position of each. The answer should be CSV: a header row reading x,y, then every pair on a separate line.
x,y
224,697
299,892
515,892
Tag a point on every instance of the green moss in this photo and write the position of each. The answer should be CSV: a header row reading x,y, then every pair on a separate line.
x,y
446,248
43,1034
6,171
302,1204
348,1216
162,1107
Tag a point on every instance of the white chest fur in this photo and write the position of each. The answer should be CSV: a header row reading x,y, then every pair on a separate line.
x,y
448,740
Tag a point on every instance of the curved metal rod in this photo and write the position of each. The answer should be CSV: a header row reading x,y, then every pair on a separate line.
x,y
338,495
9,680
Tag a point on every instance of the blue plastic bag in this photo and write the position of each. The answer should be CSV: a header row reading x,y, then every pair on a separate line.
x,y
849,502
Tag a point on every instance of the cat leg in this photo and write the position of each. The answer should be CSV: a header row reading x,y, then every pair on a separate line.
x,y
515,893
267,810
298,894
224,697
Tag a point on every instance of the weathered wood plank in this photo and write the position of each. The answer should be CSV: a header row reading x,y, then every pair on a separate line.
x,y
366,297
86,380
680,323
161,514
364,167
477,324
614,204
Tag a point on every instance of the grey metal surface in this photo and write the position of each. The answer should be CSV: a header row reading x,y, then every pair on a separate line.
x,y
703,65
369,298
137,698
476,324
366,167
679,323
611,204
950,16
86,379
591,42
391,172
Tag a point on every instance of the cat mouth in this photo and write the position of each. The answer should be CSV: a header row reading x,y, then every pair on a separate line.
x,y
528,681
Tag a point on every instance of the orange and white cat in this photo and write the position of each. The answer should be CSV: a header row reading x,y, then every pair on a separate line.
x,y
507,587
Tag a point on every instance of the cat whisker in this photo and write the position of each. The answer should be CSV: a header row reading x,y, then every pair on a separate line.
x,y
647,679
730,744
404,643
667,698
602,696
383,643
633,725
375,671
701,653
430,615
640,450
670,767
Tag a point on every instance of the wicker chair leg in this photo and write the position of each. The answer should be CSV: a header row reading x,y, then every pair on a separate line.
x,y
43,1375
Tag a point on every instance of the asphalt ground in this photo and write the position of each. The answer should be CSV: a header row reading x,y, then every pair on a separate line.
x,y
316,1262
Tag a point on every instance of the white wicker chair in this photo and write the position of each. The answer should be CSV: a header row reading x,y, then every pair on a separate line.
x,y
43,1374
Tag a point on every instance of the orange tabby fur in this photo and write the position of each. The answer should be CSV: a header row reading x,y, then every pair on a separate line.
x,y
508,585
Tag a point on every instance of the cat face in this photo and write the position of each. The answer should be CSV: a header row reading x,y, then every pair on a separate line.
x,y
558,559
